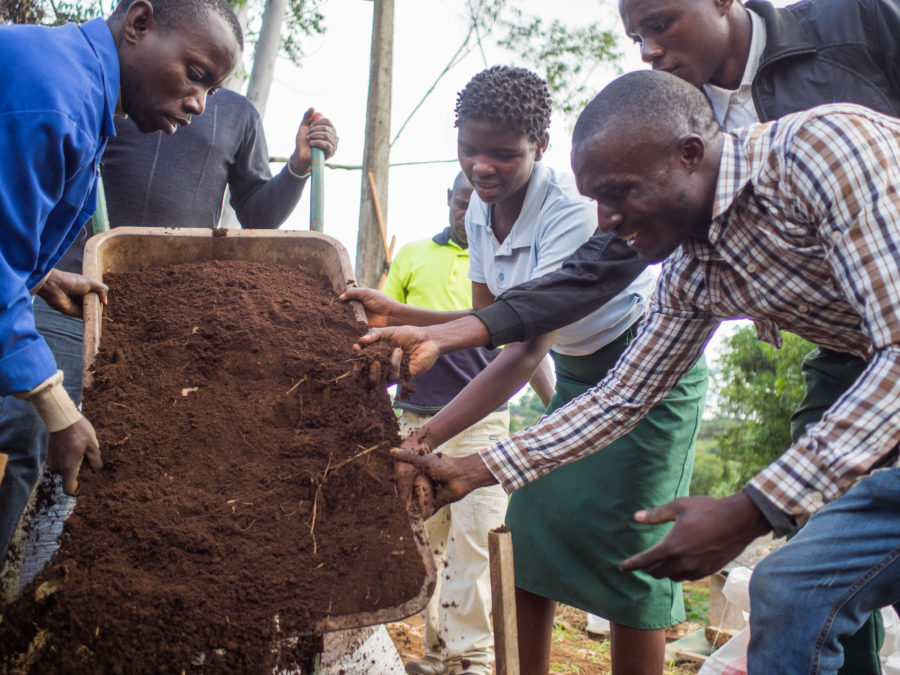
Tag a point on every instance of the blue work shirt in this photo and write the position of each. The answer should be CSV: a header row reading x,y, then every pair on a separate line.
x,y
58,92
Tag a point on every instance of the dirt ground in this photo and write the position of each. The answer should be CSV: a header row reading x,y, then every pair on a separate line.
x,y
574,650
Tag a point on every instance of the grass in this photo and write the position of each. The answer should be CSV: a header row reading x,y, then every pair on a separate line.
x,y
696,602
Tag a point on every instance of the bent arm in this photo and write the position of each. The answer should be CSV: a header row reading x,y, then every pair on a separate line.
x,y
32,181
861,227
260,200
487,391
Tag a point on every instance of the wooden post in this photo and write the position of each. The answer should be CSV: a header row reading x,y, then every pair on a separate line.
x,y
376,152
503,602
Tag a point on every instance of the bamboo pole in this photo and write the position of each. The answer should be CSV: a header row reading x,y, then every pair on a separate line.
x,y
388,250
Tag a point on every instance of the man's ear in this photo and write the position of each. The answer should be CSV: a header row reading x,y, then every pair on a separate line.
x,y
449,196
691,151
542,146
723,6
139,20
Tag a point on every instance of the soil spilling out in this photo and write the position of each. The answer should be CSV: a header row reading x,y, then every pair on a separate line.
x,y
247,488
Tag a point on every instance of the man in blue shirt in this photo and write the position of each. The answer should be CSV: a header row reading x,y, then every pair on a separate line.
x,y
154,61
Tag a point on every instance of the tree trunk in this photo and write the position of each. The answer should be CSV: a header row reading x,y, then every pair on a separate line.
x,y
266,54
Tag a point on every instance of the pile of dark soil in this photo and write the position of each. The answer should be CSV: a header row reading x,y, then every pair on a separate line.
x,y
246,491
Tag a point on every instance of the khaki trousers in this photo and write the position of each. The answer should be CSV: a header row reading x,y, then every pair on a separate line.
x,y
458,616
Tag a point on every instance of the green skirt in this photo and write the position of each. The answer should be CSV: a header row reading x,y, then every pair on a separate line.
x,y
572,527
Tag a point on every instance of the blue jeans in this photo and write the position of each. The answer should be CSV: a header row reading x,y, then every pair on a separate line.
x,y
23,435
823,584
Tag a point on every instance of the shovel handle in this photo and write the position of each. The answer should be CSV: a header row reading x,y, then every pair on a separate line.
x,y
317,191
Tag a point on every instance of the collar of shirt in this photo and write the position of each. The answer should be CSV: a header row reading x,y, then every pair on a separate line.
x,y
734,107
734,174
443,238
522,234
98,35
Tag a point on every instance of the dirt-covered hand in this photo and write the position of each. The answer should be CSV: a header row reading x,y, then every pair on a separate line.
x,y
380,308
450,478
64,291
709,533
412,486
315,131
412,341
372,374
66,450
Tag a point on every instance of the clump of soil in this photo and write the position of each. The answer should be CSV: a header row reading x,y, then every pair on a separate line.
x,y
247,491
379,354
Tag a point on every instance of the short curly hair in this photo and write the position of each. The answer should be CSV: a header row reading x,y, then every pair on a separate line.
x,y
507,95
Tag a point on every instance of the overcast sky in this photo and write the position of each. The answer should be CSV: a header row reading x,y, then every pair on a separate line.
x,y
334,79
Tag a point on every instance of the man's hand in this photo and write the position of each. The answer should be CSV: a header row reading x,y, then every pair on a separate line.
x,y
373,375
708,534
451,478
414,341
315,131
411,483
64,291
67,449
380,308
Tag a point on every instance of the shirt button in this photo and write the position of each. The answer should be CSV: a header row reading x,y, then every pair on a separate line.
x,y
752,267
817,498
836,237
803,309
501,276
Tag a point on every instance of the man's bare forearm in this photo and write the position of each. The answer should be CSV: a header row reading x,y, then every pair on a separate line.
x,y
409,315
464,332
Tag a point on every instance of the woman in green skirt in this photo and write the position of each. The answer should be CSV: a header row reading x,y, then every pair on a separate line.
x,y
572,527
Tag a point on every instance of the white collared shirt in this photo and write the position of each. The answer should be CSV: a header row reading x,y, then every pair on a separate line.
x,y
734,108
554,221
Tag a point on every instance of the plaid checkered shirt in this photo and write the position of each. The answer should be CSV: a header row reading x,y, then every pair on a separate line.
x,y
805,237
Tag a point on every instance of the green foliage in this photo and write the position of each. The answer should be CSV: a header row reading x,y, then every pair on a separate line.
x,y
696,602
565,57
20,11
759,388
53,12
525,412
304,17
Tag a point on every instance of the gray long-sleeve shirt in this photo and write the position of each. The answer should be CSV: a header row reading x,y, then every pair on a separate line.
x,y
179,180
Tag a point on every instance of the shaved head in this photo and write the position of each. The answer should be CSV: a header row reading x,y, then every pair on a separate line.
x,y
458,200
647,150
461,182
650,105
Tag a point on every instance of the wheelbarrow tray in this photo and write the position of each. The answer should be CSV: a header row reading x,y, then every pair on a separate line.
x,y
129,249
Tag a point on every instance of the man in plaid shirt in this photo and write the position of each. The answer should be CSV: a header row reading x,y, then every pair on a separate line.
x,y
794,224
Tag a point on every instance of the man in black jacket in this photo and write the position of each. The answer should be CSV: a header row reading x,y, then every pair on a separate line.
x,y
755,63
